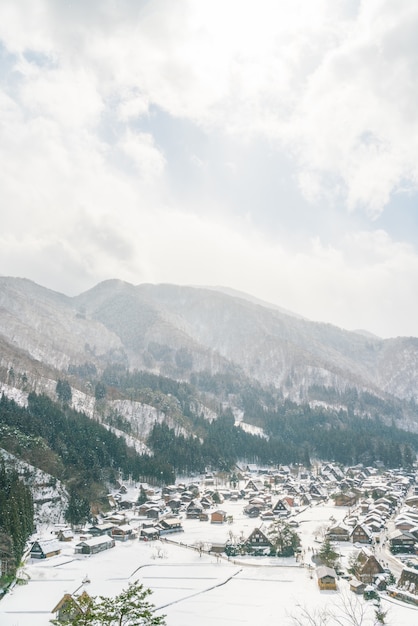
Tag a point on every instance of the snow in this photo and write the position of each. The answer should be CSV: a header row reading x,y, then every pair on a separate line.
x,y
189,587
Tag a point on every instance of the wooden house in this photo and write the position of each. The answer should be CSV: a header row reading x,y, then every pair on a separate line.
x,y
412,501
357,586
268,515
123,532
44,548
149,534
317,492
170,525
217,547
194,509
99,530
408,582
254,485
174,504
116,519
66,534
402,541
95,545
252,510
361,534
338,532
367,567
258,541
218,517
70,606
345,499
282,508
327,578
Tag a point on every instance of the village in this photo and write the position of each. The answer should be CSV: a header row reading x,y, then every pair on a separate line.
x,y
368,519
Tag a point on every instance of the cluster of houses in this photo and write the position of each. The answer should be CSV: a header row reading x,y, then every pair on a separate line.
x,y
382,507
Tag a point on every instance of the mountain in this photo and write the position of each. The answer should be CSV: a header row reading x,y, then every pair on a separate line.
x,y
178,331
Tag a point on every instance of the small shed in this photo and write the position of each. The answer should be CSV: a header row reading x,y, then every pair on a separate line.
x,y
218,517
357,586
327,578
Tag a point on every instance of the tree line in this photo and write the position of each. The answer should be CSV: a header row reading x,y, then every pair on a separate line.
x,y
16,520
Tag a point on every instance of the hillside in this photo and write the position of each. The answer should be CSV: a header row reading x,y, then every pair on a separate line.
x,y
177,331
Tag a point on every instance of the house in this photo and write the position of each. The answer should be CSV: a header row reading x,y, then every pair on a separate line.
x,y
317,492
345,499
217,548
367,567
116,519
357,586
123,532
43,549
70,606
99,530
408,583
153,512
258,541
282,508
252,510
218,517
361,534
327,578
254,485
267,515
194,509
65,534
95,545
174,504
170,525
339,532
149,534
401,541
412,501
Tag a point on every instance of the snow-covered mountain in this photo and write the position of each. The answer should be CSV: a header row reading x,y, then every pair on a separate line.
x,y
177,331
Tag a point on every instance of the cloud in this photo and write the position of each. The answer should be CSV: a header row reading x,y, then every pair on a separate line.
x,y
254,146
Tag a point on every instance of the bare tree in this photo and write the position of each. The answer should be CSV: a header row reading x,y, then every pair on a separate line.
x,y
348,610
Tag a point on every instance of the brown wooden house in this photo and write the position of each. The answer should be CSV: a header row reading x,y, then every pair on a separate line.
x,y
70,606
367,567
258,541
44,549
218,517
338,532
94,545
345,499
327,578
361,534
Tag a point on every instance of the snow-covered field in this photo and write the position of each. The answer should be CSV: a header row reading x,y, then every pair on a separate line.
x,y
189,588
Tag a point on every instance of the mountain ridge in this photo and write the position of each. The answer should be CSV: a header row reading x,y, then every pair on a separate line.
x,y
176,331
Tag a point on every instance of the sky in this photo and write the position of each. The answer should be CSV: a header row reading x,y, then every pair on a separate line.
x,y
270,147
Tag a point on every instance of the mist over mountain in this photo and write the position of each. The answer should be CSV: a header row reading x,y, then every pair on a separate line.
x,y
176,331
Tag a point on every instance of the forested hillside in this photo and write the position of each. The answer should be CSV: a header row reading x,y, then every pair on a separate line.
x,y
16,520
88,455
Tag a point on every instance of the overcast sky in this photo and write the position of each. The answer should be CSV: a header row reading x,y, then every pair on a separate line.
x,y
267,146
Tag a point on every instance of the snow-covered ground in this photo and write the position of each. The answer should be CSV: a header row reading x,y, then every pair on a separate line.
x,y
189,588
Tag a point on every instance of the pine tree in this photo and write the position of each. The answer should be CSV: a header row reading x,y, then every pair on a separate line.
x,y
130,608
327,554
